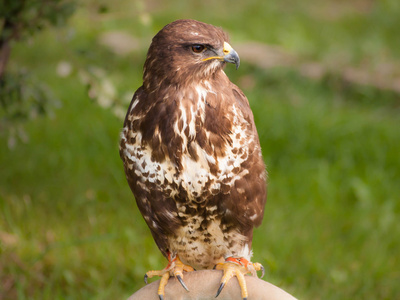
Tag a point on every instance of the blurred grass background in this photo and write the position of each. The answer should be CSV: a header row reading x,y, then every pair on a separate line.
x,y
69,227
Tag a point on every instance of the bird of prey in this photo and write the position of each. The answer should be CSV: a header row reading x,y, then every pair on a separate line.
x,y
192,156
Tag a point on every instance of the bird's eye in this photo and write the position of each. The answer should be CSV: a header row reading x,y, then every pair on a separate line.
x,y
198,48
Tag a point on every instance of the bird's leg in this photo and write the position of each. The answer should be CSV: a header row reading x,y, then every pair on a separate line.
x,y
238,267
174,268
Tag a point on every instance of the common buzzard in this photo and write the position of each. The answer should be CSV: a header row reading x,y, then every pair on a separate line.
x,y
192,156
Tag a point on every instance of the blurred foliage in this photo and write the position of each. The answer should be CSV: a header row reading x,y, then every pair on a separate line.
x,y
21,96
22,18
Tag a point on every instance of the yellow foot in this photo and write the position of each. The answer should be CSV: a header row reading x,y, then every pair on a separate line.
x,y
238,267
175,268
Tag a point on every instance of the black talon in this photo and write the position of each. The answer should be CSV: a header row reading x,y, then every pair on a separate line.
x,y
145,278
182,283
161,297
262,271
220,289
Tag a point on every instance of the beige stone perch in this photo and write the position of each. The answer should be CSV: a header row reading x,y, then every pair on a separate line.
x,y
203,285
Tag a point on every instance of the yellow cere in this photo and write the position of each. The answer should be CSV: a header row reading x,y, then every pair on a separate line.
x,y
226,50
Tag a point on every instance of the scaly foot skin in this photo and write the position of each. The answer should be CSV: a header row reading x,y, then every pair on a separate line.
x,y
238,267
175,268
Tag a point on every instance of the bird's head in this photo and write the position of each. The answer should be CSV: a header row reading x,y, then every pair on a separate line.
x,y
187,50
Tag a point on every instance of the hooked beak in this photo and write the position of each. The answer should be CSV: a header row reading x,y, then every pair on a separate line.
x,y
229,55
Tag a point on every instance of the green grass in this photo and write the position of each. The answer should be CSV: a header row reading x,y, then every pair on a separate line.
x,y
69,227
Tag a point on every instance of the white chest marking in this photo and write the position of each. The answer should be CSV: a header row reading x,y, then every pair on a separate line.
x,y
196,173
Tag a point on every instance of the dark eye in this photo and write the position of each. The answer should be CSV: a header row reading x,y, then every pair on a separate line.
x,y
198,48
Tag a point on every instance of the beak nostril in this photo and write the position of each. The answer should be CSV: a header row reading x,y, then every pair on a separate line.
x,y
227,48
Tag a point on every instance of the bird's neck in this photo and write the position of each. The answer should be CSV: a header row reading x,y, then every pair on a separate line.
x,y
179,83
